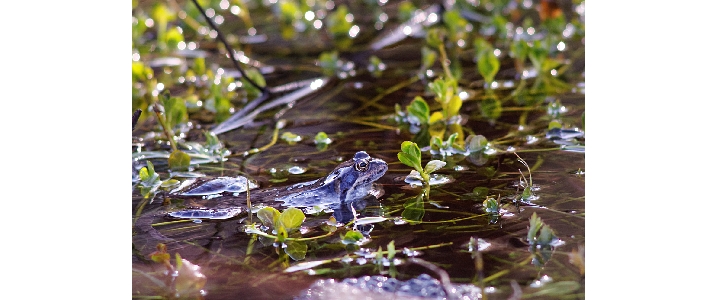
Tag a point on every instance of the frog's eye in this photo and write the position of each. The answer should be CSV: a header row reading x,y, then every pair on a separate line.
x,y
361,165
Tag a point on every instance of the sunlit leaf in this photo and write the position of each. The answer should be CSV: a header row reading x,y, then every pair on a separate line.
x,y
291,218
433,165
352,237
453,107
420,109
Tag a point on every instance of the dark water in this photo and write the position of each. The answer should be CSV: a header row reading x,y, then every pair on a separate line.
x,y
452,216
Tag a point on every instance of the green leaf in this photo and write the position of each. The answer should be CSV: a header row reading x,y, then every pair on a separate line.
x,y
179,161
352,237
144,175
268,216
414,209
534,225
410,155
480,192
409,161
435,37
433,165
491,108
554,124
322,138
453,107
428,57
488,65
420,109
476,143
391,251
558,288
175,110
291,218
150,169
297,250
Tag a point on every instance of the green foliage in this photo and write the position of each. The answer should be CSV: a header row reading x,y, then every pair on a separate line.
x,y
491,108
149,180
456,24
352,237
419,109
491,206
446,148
487,63
290,138
428,58
539,234
476,143
329,62
322,141
410,155
179,161
338,27
445,91
406,11
268,216
376,66
175,110
258,78
297,250
435,37
291,219
414,209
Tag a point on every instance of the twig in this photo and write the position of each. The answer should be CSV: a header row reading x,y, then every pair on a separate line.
x,y
229,49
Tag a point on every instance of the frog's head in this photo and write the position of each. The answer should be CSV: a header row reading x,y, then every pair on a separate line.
x,y
353,178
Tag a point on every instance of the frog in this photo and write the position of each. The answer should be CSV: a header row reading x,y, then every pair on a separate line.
x,y
350,181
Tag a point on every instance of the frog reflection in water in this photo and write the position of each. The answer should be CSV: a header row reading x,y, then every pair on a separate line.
x,y
348,183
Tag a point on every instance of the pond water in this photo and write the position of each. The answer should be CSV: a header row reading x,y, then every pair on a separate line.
x,y
449,229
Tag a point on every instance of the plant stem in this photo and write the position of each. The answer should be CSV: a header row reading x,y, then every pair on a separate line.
x,y
165,128
445,62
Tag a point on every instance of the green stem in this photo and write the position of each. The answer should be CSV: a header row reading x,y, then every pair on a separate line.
x,y
445,62
165,128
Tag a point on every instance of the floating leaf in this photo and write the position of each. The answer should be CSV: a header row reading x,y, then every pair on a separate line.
x,y
179,161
